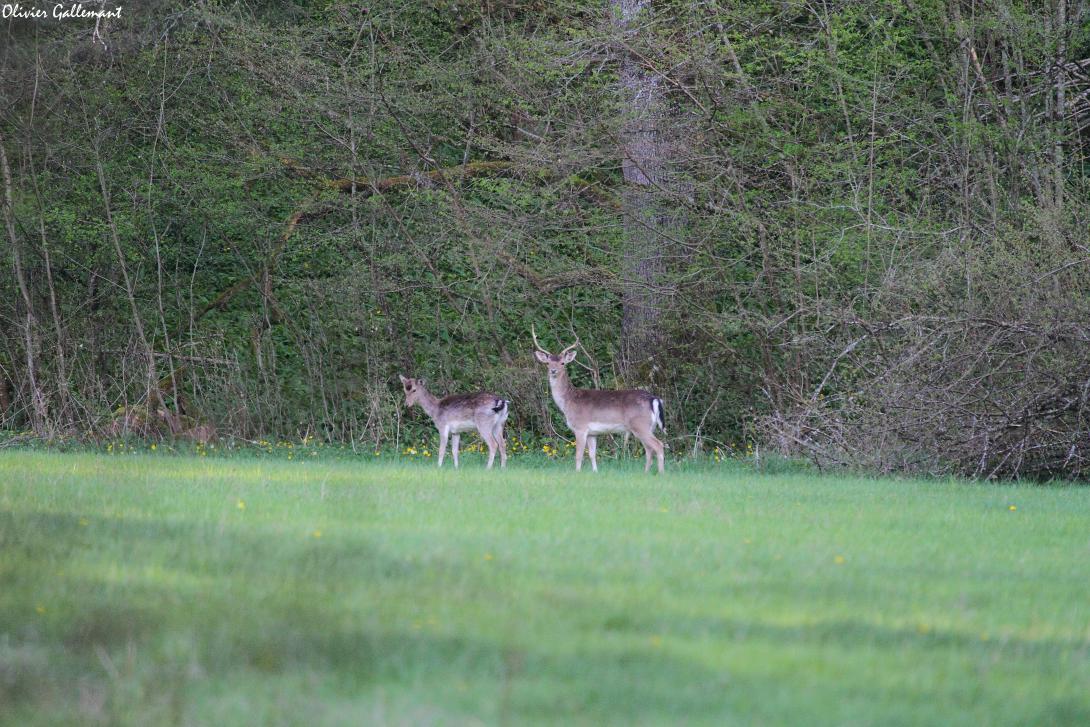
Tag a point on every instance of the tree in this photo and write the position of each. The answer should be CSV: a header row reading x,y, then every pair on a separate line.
x,y
650,224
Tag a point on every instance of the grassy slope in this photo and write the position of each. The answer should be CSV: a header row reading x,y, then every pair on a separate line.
x,y
181,590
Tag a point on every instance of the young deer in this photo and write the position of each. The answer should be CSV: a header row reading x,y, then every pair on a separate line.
x,y
462,413
590,412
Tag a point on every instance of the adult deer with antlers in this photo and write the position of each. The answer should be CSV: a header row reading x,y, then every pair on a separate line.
x,y
590,412
460,413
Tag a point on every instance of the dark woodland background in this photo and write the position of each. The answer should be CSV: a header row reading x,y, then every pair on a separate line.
x,y
849,230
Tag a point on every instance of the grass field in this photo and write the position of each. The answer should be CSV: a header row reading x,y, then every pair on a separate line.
x,y
181,590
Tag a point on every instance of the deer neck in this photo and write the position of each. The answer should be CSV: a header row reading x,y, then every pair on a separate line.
x,y
429,402
562,390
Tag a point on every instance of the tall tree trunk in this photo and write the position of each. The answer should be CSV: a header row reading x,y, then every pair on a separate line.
x,y
1060,108
644,158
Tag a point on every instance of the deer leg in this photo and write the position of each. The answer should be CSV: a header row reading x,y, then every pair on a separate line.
x,y
484,428
659,451
650,445
487,436
455,439
443,435
580,443
592,449
497,434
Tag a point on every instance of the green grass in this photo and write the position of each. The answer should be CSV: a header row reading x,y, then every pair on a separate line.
x,y
179,590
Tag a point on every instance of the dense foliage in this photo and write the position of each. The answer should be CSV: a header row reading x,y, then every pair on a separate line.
x,y
855,230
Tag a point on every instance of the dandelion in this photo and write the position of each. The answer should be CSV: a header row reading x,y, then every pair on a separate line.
x,y
153,447
839,560
241,505
316,534
1012,508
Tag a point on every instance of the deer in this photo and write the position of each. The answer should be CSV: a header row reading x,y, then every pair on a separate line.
x,y
453,415
590,412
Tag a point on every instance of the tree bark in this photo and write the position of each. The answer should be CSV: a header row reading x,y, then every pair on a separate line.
x,y
1061,102
644,156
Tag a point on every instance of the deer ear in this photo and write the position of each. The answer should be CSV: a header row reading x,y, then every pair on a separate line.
x,y
542,356
569,356
404,381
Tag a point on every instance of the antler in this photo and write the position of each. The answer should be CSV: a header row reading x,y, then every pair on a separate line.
x,y
534,334
574,345
539,348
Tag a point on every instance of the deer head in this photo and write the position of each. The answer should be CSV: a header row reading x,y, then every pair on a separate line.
x,y
413,390
556,362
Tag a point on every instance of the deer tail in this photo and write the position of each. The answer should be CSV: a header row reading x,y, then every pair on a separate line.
x,y
656,410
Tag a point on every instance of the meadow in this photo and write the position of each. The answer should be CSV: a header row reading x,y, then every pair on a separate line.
x,y
160,589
